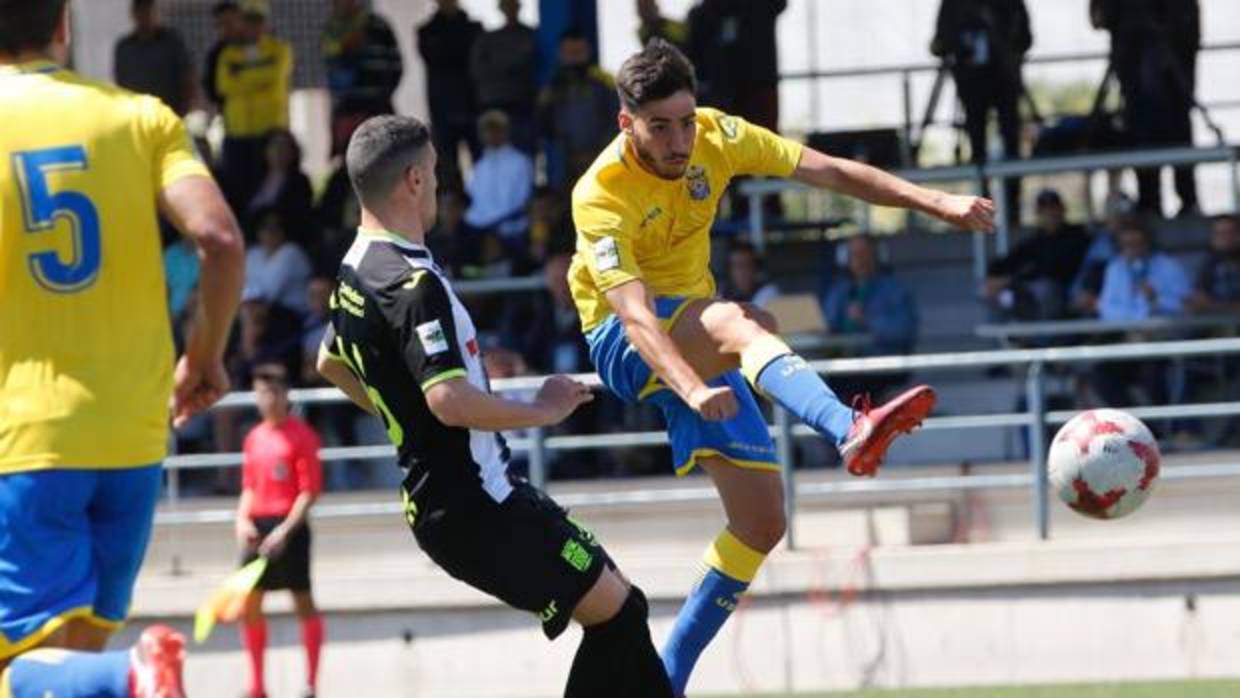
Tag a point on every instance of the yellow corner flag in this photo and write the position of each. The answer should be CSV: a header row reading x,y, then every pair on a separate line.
x,y
226,604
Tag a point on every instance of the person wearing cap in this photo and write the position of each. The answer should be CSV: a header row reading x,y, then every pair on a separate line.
x,y
502,181
253,77
1032,281
281,479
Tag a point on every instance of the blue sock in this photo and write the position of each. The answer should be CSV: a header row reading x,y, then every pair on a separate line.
x,y
66,674
708,606
790,381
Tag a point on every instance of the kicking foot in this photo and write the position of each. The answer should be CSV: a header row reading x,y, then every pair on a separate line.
x,y
156,664
875,428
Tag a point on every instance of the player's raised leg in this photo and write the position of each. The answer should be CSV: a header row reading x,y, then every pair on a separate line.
x,y
754,503
716,336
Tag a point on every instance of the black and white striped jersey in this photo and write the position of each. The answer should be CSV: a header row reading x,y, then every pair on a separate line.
x,y
397,324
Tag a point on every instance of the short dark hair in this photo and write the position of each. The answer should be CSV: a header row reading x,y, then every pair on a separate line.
x,y
381,151
141,4
656,72
28,24
224,7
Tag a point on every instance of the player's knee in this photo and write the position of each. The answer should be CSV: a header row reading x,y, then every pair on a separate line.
x,y
764,319
762,532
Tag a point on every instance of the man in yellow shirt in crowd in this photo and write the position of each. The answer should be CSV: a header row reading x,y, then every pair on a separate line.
x,y
642,284
253,80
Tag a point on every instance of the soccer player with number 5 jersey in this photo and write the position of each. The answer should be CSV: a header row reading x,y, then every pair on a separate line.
x,y
86,357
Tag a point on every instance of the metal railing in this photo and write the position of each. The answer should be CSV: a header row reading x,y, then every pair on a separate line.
x,y
906,72
999,171
1035,419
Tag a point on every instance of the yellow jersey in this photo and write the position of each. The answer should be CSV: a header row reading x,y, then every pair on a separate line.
x,y
254,81
632,224
85,343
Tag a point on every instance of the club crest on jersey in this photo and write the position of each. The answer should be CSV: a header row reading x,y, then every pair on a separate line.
x,y
699,186
433,339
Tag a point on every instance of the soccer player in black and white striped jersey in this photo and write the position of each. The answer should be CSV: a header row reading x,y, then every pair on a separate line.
x,y
402,346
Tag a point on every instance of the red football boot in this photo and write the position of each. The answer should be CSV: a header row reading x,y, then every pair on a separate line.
x,y
156,664
875,428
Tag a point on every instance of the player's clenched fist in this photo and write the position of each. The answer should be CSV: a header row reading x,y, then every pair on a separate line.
x,y
714,404
560,395
969,212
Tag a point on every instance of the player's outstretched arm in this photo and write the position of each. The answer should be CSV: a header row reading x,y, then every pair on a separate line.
x,y
631,303
882,189
340,376
197,208
457,403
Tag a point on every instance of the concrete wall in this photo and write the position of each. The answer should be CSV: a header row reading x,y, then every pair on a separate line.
x,y
1065,633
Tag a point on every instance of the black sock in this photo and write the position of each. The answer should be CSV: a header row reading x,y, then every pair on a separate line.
x,y
617,659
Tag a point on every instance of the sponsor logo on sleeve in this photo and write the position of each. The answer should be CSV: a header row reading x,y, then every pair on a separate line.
x,y
433,339
606,254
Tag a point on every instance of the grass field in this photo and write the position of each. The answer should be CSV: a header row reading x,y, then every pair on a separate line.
x,y
1175,689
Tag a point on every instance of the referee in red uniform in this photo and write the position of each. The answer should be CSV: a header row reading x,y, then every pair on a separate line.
x,y
281,478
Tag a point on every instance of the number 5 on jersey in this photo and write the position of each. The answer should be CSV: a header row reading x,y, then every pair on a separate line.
x,y
41,208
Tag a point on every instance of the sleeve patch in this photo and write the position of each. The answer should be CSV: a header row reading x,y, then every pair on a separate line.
x,y
728,125
606,254
433,339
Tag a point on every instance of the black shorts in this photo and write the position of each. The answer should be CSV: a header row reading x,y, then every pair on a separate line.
x,y
291,568
525,551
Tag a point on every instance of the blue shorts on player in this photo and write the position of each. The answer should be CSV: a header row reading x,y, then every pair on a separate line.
x,y
71,543
744,440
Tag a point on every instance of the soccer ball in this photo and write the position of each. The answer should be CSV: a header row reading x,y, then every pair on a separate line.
x,y
1103,463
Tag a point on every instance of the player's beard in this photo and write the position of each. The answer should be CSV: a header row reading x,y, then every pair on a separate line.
x,y
661,169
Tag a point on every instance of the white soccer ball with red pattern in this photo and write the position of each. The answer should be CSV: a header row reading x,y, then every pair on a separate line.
x,y
1103,463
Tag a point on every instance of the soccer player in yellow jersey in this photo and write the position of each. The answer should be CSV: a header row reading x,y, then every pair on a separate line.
x,y
643,287
86,357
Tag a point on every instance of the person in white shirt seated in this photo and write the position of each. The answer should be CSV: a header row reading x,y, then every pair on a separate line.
x,y
501,184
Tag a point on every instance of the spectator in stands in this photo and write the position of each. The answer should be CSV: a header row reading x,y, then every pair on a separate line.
x,y
870,299
229,29
1032,282
364,67
984,42
181,268
153,60
654,24
747,282
504,66
252,79
501,184
546,332
577,111
281,479
284,189
1102,249
276,268
1154,46
1139,284
446,42
267,333
732,45
453,242
1217,290
337,216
